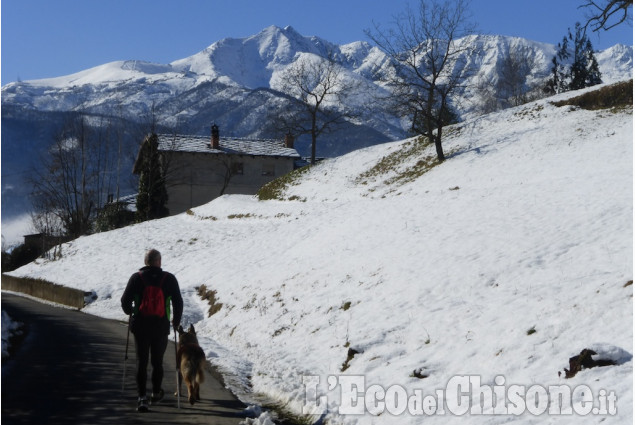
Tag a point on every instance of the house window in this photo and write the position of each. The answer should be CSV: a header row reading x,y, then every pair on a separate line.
x,y
268,170
237,168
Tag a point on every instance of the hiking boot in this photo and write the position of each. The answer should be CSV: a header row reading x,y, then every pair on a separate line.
x,y
142,404
156,397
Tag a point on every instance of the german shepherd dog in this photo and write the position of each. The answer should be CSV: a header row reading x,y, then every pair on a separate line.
x,y
191,360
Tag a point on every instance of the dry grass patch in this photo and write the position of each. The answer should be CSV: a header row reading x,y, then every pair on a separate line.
x,y
276,189
394,163
616,96
210,296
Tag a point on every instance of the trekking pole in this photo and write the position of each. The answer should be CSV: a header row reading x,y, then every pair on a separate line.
x,y
125,359
178,387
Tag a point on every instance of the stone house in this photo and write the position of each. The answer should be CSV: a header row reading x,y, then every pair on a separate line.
x,y
199,168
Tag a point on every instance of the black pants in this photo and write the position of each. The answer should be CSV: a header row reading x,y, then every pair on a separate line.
x,y
150,344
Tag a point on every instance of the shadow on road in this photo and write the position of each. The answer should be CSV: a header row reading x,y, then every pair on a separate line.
x,y
69,370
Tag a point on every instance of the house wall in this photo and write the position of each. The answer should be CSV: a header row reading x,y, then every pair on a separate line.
x,y
193,179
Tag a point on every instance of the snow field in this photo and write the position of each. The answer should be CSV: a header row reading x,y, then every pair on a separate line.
x,y
505,260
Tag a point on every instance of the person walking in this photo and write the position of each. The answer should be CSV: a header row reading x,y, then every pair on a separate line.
x,y
147,299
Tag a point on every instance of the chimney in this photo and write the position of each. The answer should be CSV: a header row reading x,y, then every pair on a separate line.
x,y
215,137
288,140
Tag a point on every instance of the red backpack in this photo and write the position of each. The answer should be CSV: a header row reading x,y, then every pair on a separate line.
x,y
152,299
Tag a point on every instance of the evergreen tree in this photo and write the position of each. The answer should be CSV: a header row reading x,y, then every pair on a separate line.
x,y
153,194
583,71
558,82
594,75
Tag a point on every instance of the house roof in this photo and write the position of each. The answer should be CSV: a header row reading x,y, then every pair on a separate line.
x,y
227,145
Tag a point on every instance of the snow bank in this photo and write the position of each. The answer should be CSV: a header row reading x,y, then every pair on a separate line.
x,y
9,328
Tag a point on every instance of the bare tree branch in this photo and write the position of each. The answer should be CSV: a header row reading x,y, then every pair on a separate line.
x,y
608,15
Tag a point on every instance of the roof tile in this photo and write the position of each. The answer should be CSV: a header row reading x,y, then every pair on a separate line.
x,y
233,145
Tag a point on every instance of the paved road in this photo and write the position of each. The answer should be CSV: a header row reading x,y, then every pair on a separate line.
x,y
69,370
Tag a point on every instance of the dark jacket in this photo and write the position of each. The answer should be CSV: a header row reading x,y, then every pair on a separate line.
x,y
131,299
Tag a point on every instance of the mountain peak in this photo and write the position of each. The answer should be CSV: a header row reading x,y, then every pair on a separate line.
x,y
251,61
290,30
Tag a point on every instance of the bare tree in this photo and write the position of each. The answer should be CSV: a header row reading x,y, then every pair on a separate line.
x,y
317,88
515,69
607,14
510,85
428,49
64,185
74,178
488,100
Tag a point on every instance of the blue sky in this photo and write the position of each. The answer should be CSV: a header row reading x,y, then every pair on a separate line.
x,y
46,38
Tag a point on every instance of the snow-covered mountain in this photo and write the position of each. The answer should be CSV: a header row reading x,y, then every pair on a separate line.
x,y
616,63
215,84
380,269
232,83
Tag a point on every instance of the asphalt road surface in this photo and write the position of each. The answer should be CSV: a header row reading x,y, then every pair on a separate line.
x,y
69,370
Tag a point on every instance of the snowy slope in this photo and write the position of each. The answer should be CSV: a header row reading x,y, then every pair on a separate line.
x,y
504,261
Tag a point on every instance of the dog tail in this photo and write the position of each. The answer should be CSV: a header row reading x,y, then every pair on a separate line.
x,y
200,373
193,369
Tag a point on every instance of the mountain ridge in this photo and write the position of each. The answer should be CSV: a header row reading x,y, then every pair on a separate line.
x,y
232,82
252,62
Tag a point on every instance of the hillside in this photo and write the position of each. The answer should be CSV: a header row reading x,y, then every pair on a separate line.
x,y
505,260
234,82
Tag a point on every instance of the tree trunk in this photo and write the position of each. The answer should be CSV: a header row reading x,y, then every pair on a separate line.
x,y
440,155
437,144
313,138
